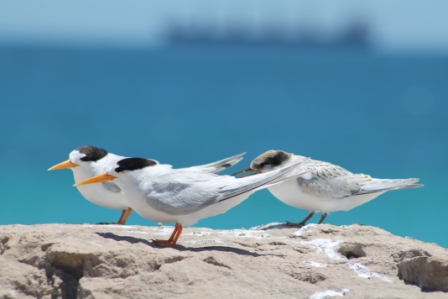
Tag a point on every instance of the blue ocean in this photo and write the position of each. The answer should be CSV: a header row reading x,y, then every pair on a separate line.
x,y
377,113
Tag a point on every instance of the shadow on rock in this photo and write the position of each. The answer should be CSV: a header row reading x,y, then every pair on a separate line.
x,y
275,225
129,239
151,243
218,248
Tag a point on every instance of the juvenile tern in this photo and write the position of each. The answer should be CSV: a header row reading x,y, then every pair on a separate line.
x,y
184,196
325,187
87,161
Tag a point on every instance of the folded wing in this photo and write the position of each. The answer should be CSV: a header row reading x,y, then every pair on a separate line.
x,y
186,192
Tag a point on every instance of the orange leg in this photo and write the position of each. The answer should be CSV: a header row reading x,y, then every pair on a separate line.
x,y
172,241
124,216
120,220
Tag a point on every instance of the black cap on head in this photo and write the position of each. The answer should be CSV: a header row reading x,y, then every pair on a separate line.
x,y
275,160
91,153
134,164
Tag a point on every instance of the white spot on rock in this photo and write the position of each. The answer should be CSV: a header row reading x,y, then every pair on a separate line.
x,y
136,232
267,226
315,264
163,230
329,247
255,234
304,229
205,241
365,272
328,293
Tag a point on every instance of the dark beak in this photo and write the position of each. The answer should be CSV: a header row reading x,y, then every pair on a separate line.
x,y
245,170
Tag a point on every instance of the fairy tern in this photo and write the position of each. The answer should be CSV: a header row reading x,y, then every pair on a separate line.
x,y
325,187
87,161
184,196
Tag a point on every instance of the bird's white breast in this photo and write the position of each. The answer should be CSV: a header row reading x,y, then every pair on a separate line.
x,y
291,194
99,194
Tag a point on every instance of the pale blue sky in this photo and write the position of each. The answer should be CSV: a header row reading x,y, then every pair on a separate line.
x,y
396,24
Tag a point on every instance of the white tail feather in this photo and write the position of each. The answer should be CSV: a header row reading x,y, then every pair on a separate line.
x,y
378,185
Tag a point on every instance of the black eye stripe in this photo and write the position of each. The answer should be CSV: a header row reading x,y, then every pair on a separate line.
x,y
91,153
134,164
275,160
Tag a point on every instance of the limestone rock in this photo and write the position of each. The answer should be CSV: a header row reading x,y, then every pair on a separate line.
x,y
421,268
272,261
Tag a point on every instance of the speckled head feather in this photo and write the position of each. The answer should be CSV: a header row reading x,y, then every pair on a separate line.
x,y
91,153
134,164
270,160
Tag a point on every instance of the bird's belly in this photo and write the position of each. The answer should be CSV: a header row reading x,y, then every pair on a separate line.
x,y
139,204
212,210
154,215
289,193
100,196
348,203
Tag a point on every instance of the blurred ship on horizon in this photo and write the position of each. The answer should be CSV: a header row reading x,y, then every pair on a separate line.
x,y
355,34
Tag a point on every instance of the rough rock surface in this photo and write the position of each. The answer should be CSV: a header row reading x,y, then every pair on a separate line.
x,y
317,261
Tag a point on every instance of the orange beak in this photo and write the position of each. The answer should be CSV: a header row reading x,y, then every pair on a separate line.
x,y
63,165
105,177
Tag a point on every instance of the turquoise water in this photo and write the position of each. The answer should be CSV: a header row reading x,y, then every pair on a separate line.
x,y
385,115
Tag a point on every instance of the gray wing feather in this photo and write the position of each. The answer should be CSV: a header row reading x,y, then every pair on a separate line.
x,y
175,197
218,166
326,180
334,182
255,182
328,188
171,196
112,187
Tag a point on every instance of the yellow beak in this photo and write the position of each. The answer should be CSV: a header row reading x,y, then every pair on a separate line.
x,y
97,179
63,165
